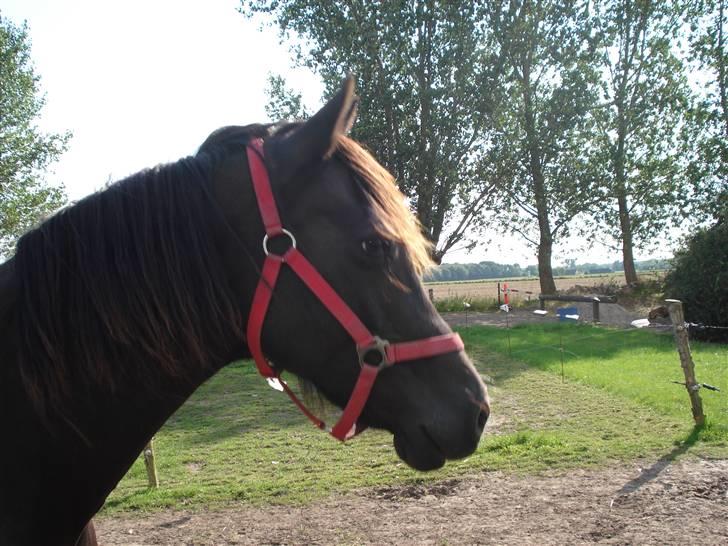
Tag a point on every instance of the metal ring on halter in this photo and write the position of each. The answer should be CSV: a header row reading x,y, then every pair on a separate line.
x,y
379,346
284,231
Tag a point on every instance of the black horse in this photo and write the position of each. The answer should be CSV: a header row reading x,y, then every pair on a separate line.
x,y
116,309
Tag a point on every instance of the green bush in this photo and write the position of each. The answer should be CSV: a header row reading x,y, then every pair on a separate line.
x,y
699,276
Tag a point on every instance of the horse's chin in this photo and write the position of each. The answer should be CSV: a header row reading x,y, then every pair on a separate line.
x,y
419,450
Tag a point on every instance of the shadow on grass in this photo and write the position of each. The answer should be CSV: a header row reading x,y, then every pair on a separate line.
x,y
121,500
543,345
649,474
221,425
234,402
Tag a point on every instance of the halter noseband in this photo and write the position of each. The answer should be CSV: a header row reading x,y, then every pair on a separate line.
x,y
374,353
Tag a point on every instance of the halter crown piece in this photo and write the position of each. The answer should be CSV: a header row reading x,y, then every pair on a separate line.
x,y
374,353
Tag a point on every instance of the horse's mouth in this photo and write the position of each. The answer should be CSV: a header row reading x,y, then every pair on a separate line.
x,y
419,449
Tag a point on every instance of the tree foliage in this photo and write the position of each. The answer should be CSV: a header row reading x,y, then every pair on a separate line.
x,y
283,103
24,150
708,157
426,83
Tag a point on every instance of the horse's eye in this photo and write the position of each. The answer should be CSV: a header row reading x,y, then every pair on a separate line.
x,y
375,247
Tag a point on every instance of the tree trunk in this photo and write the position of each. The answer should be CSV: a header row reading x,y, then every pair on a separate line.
x,y
620,175
625,223
545,272
426,182
722,69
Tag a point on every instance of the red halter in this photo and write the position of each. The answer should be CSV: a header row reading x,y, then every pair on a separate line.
x,y
380,351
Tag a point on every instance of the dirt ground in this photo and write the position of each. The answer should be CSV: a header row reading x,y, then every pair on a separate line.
x,y
684,502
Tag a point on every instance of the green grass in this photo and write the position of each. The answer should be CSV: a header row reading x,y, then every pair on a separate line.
x,y
236,440
635,364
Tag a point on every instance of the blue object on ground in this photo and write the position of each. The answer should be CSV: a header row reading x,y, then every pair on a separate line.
x,y
563,311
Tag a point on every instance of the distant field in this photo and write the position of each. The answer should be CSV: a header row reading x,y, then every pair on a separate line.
x,y
489,288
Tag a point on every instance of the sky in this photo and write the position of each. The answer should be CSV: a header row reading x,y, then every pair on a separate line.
x,y
142,82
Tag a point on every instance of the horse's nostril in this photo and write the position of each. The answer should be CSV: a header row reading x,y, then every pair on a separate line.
x,y
482,418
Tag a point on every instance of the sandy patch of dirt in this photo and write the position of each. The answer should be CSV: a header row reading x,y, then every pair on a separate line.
x,y
662,502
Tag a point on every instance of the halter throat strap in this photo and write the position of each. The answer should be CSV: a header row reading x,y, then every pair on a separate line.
x,y
374,353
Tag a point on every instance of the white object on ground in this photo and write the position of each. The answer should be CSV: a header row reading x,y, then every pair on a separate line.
x,y
640,323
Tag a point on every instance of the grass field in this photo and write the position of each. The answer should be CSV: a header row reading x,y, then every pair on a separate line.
x,y
236,440
636,364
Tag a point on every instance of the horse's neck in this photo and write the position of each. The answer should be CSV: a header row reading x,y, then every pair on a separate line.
x,y
56,477
56,480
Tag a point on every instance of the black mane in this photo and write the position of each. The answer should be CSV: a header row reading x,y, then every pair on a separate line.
x,y
127,278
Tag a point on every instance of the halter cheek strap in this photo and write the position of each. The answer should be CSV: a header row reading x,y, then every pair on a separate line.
x,y
374,352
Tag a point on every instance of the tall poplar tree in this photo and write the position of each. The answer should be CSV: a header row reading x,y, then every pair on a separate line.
x,y
543,124
638,145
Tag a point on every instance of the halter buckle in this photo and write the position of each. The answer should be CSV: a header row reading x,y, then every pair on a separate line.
x,y
374,354
285,232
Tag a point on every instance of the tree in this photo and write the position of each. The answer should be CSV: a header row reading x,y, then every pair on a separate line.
x,y
644,101
426,80
542,125
24,150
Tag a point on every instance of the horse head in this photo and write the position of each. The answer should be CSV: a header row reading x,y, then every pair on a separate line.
x,y
343,213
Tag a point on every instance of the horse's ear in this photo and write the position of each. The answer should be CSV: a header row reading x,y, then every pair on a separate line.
x,y
318,137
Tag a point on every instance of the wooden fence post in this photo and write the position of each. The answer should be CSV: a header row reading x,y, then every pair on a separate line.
x,y
686,360
595,310
150,464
